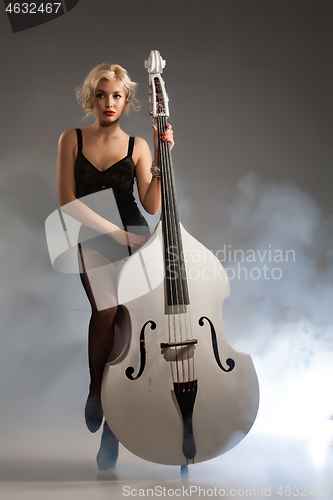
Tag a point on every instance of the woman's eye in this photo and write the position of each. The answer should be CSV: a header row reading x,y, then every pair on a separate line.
x,y
117,96
100,95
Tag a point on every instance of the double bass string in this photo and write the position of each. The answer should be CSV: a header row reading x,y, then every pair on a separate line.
x,y
181,284
169,228
168,241
173,236
166,215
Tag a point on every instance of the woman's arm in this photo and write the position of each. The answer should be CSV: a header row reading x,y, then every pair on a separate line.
x,y
149,187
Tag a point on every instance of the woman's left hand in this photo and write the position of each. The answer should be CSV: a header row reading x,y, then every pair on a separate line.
x,y
167,136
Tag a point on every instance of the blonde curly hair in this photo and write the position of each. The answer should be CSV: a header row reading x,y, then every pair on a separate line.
x,y
86,93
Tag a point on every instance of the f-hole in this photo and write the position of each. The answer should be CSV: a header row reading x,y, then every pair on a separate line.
x,y
230,362
130,370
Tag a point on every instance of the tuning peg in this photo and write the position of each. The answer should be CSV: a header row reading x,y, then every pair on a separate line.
x,y
148,62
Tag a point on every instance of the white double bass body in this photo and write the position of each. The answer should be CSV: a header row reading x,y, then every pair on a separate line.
x,y
178,393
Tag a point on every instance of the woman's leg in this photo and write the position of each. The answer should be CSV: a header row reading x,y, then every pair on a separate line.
x,y
107,335
98,278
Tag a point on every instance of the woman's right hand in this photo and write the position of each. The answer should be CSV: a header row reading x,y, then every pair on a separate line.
x,y
130,239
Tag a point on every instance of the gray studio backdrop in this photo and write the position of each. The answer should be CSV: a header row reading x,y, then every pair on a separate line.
x,y
250,87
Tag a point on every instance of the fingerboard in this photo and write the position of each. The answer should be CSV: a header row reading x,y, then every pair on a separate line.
x,y
175,271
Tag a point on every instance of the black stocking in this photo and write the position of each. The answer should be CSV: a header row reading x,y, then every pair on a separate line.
x,y
98,276
107,335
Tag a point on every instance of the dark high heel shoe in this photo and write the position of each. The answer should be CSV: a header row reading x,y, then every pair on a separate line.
x,y
108,451
93,413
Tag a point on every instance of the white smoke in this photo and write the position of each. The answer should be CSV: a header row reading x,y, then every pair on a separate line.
x,y
285,324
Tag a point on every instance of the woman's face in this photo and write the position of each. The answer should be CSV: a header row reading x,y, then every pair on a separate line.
x,y
110,100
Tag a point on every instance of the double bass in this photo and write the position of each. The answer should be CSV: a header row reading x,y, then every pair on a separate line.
x,y
178,393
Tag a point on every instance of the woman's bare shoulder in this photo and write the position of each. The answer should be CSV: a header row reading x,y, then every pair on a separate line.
x,y
141,144
68,136
68,143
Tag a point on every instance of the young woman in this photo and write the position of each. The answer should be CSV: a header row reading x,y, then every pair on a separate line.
x,y
98,163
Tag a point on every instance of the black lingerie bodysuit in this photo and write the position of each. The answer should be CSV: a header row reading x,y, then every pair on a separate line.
x,y
110,194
